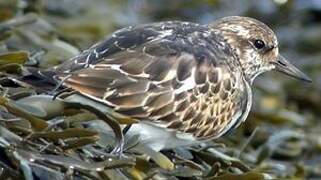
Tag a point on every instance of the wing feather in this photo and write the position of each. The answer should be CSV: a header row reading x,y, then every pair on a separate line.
x,y
182,79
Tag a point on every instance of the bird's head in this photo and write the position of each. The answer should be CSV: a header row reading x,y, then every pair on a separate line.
x,y
256,46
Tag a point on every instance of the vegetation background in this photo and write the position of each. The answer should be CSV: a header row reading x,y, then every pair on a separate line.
x,y
44,139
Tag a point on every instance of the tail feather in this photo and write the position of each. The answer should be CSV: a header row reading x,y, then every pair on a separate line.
x,y
41,80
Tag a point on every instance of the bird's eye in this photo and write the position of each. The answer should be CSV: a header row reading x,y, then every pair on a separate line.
x,y
259,44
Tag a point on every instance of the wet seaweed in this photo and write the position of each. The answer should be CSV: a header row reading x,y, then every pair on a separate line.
x,y
67,137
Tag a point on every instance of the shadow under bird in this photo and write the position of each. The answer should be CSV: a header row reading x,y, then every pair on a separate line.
x,y
184,82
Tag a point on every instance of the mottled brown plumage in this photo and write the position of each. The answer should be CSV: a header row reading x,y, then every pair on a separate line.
x,y
183,77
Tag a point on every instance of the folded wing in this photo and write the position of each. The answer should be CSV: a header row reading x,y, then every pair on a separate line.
x,y
181,78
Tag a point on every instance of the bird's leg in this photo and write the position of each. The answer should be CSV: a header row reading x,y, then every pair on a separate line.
x,y
59,84
126,129
248,141
57,94
107,118
118,149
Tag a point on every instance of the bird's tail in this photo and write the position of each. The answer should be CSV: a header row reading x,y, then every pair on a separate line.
x,y
42,80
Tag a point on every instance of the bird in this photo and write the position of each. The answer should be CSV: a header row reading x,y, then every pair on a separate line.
x,y
184,82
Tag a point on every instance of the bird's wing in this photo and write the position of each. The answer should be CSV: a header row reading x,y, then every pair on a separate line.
x,y
184,81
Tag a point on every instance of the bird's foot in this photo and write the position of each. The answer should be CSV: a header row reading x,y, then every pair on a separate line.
x,y
118,150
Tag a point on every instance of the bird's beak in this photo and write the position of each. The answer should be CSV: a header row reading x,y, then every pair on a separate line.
x,y
284,66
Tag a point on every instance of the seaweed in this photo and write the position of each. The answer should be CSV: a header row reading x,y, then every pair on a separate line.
x,y
71,137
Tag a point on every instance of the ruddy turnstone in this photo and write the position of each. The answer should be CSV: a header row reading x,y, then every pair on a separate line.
x,y
184,82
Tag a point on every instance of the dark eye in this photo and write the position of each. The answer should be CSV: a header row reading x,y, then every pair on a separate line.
x,y
259,44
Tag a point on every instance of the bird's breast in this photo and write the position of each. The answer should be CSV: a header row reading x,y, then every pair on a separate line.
x,y
208,110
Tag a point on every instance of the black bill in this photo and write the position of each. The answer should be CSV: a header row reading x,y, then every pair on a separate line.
x,y
286,67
